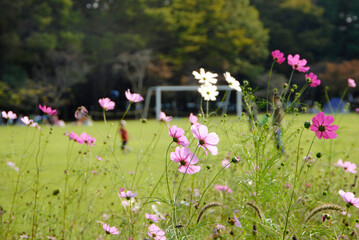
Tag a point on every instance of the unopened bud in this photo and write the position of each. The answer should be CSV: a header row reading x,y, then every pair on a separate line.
x,y
307,124
285,85
319,155
295,86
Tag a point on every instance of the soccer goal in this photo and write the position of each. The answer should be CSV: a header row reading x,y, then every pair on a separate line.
x,y
157,90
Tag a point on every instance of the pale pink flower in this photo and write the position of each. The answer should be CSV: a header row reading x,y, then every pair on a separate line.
x,y
345,213
348,166
298,64
288,185
357,225
357,110
110,230
99,158
22,236
48,110
225,163
164,118
237,223
156,233
106,104
9,115
223,188
193,119
278,56
153,218
322,128
26,120
178,136
349,198
133,97
206,140
13,166
94,172
186,159
87,139
313,79
128,195
351,83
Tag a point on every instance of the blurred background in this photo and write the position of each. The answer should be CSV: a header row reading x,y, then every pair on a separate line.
x,y
67,53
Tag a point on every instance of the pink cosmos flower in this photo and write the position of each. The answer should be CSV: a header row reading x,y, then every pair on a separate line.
x,y
322,128
128,195
288,185
99,158
192,119
48,110
87,139
178,136
164,118
152,218
223,188
237,223
13,166
278,56
308,185
313,79
298,64
348,166
186,159
349,198
110,230
75,137
156,233
133,97
357,110
351,83
206,140
106,104
26,120
225,163
9,115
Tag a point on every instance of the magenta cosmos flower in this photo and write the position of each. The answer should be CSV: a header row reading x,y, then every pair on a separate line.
x,y
348,166
152,218
186,159
357,110
48,110
223,188
206,140
133,97
278,56
313,79
110,230
298,64
106,104
156,233
128,195
9,115
164,118
322,128
87,139
193,119
178,136
351,83
349,198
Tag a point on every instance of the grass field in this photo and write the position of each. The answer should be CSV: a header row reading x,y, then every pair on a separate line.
x,y
92,185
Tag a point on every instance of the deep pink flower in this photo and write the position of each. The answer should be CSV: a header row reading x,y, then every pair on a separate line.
x,y
348,166
278,56
288,185
110,230
156,233
186,159
193,119
223,188
152,218
357,110
106,104
133,97
237,223
313,79
349,198
48,110
205,139
99,158
298,64
322,128
164,118
351,83
9,115
308,185
87,139
128,195
178,136
75,137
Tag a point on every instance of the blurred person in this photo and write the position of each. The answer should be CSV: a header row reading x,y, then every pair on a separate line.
x,y
124,136
277,121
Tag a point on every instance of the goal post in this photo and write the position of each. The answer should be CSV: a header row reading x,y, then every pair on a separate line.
x,y
159,89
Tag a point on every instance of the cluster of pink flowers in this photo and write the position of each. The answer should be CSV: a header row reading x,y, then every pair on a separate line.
x,y
107,104
322,128
348,166
84,138
152,218
127,195
9,115
223,188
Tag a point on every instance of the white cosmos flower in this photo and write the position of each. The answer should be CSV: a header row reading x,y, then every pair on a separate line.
x,y
208,92
205,77
232,82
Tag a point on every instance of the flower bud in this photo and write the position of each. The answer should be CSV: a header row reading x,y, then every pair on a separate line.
x,y
285,85
275,90
319,155
325,193
267,115
235,160
307,124
245,83
295,86
297,95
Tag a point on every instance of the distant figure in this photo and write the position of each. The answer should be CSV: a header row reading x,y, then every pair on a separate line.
x,y
277,121
124,136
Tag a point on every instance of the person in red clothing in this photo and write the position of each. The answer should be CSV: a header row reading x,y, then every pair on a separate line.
x,y
124,136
